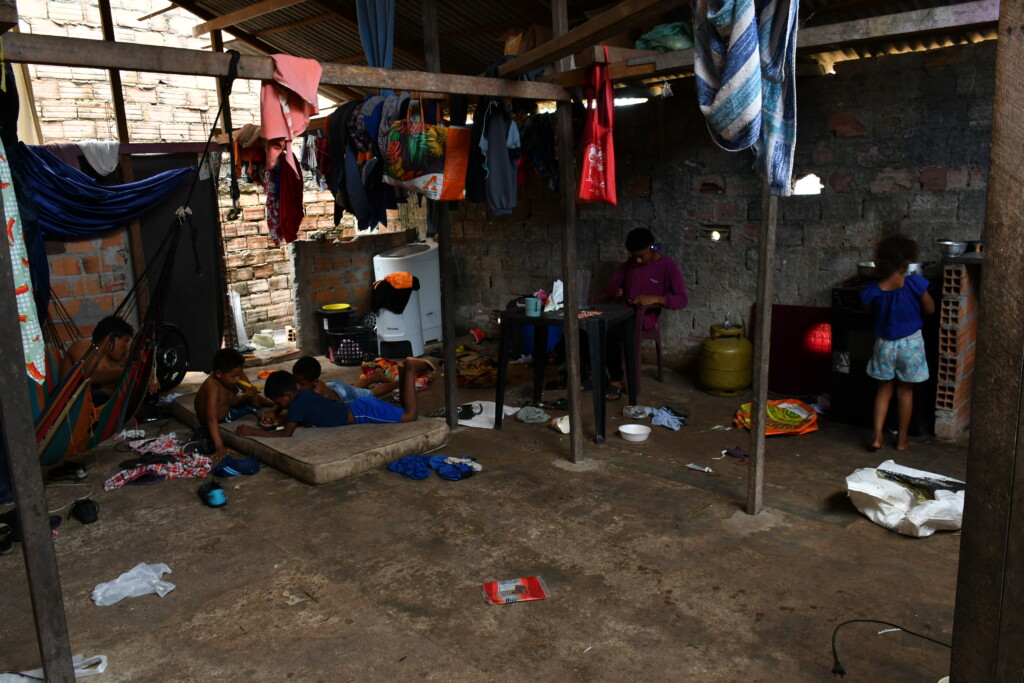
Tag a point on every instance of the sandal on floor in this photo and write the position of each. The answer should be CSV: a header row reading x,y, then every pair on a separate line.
x,y
69,471
612,393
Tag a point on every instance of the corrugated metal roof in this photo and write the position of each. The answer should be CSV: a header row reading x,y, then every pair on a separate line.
x,y
471,31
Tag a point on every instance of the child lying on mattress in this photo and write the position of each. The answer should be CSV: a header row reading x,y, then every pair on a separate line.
x,y
307,376
306,408
226,395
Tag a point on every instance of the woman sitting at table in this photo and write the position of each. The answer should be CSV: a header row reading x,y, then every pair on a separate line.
x,y
647,278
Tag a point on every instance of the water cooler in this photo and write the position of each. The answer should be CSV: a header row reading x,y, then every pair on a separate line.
x,y
420,260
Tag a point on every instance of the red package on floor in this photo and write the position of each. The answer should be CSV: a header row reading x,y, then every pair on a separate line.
x,y
515,590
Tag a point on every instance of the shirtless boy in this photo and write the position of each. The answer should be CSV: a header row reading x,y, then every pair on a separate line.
x,y
226,395
107,353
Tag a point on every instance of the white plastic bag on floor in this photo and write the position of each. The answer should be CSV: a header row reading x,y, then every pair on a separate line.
x,y
90,666
935,503
140,580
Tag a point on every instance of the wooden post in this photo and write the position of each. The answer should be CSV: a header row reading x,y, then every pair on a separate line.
x,y
223,100
762,347
567,184
127,169
27,481
432,54
989,615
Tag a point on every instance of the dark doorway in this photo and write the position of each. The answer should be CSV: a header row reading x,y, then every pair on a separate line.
x,y
196,300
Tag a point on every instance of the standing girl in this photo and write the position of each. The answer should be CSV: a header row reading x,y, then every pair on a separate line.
x,y
898,362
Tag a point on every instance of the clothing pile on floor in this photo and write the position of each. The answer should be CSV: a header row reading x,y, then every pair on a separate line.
x,y
450,468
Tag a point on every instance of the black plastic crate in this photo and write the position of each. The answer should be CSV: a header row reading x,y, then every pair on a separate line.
x,y
352,345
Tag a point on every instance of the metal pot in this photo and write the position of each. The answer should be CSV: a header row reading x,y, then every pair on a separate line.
x,y
866,269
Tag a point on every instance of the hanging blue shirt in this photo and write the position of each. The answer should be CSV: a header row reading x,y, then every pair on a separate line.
x,y
898,311
310,409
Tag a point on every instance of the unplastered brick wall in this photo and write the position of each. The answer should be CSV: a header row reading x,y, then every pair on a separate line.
x,y
337,272
260,272
90,277
75,104
900,142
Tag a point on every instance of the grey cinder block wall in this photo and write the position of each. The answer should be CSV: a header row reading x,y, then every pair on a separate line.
x,y
900,143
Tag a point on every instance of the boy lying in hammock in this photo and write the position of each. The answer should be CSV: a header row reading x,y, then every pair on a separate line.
x,y
226,395
105,357
307,408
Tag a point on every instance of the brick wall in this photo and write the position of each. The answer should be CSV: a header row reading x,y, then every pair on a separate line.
x,y
336,272
93,276
912,158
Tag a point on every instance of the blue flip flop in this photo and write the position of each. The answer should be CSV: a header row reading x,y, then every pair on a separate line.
x,y
229,466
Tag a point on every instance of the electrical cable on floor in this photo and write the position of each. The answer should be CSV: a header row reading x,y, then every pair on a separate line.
x,y
57,486
837,667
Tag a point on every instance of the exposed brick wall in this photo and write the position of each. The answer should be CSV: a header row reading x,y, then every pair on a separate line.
x,y
901,143
336,272
75,104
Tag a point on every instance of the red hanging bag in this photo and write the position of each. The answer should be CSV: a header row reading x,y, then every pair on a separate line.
x,y
597,172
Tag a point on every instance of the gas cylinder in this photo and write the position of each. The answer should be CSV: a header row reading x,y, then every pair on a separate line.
x,y
726,360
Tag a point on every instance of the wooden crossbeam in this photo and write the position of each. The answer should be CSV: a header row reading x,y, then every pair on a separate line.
x,y
60,51
622,17
890,26
157,13
244,14
831,37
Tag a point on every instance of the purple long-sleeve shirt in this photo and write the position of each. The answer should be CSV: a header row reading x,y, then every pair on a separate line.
x,y
659,277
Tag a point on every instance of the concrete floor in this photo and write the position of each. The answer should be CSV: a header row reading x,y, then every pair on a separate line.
x,y
655,570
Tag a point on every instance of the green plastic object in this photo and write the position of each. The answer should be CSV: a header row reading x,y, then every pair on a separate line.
x,y
667,37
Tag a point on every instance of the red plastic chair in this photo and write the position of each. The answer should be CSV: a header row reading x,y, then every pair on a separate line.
x,y
652,334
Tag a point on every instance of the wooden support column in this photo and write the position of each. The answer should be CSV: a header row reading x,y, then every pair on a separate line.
x,y
432,54
989,617
567,184
223,100
127,170
762,347
27,480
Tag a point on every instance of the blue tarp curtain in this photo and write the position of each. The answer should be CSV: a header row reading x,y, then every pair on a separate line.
x,y
377,31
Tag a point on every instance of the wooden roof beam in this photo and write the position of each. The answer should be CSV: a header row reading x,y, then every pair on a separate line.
x,y
830,37
60,51
294,25
244,14
890,26
622,17
8,15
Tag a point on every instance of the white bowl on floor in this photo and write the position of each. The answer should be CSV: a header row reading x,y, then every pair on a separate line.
x,y
635,432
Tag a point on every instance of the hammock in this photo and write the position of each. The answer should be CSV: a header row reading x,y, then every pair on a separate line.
x,y
66,418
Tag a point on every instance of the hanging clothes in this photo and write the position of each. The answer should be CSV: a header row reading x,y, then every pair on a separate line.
x,y
744,62
286,105
102,155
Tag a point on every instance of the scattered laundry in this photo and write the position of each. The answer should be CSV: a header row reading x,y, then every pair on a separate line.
x,y
184,465
447,467
663,417
532,415
515,590
742,457
142,579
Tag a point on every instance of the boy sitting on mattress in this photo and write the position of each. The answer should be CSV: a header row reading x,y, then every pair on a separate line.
x,y
306,408
226,395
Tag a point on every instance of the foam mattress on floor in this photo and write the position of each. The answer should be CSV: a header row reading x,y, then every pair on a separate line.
x,y
319,456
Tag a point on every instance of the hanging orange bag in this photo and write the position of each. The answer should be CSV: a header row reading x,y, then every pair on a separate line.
x,y
597,172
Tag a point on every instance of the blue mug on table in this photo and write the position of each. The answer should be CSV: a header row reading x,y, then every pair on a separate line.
x,y
533,307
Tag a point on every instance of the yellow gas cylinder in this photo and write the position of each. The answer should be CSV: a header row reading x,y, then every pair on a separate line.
x,y
726,361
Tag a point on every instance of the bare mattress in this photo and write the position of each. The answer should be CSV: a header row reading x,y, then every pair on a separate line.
x,y
319,456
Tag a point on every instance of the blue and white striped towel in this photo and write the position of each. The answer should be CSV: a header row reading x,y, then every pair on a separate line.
x,y
744,54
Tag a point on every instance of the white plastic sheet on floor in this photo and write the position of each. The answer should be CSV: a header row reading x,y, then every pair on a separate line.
x,y
936,503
